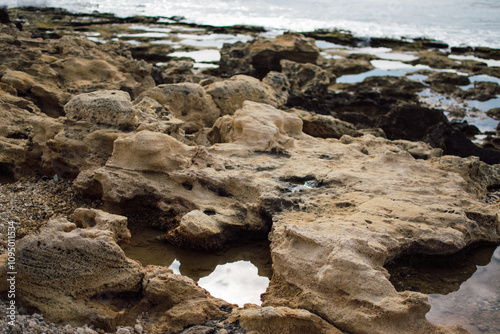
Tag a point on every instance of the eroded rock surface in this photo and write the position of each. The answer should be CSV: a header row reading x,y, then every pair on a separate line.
x,y
260,56
217,162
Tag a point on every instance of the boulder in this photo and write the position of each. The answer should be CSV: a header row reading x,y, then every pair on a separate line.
x,y
150,151
258,126
230,94
177,301
107,107
325,126
188,102
308,84
262,55
69,273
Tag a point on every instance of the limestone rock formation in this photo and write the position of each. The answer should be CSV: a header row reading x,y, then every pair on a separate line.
x,y
350,234
325,126
188,102
260,56
150,151
98,219
270,320
230,94
112,108
68,273
259,127
177,301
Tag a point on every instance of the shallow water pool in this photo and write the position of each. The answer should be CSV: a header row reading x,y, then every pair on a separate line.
x,y
238,275
463,289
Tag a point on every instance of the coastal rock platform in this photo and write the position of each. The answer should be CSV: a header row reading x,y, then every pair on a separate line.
x,y
341,179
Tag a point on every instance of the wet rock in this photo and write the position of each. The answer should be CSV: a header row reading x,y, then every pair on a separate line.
x,y
269,320
482,91
324,126
341,37
262,55
177,301
230,94
447,78
188,102
416,123
308,83
349,65
151,52
494,113
435,60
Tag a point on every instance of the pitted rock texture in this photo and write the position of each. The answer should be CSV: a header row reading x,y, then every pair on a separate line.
x,y
66,273
261,56
229,95
188,102
112,108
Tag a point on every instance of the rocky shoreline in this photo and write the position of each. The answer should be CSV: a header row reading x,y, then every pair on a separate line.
x,y
219,136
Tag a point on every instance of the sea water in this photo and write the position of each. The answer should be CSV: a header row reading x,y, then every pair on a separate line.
x,y
456,22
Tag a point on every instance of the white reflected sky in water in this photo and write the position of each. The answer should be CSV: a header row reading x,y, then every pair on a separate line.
x,y
475,304
236,282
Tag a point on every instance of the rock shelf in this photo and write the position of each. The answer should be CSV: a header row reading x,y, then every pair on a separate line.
x,y
341,178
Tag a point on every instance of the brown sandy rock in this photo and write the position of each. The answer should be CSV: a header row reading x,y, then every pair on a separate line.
x,y
230,94
188,102
150,151
64,273
351,234
177,301
258,126
324,126
270,320
102,220
107,107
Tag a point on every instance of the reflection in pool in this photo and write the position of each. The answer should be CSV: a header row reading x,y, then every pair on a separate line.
x,y
238,275
463,289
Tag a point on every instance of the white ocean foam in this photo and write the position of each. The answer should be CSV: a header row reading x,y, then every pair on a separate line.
x,y
469,22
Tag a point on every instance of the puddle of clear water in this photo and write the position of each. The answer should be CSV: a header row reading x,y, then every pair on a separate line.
x,y
463,289
382,68
238,275
397,65
484,105
386,54
150,28
418,77
329,45
489,62
144,35
357,78
200,56
476,304
478,78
